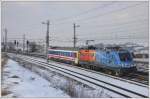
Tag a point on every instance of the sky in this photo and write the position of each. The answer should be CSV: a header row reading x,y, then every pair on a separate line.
x,y
103,22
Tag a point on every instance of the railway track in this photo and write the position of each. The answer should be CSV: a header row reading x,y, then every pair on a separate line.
x,y
140,77
92,79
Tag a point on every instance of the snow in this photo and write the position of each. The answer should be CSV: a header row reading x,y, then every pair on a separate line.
x,y
123,84
24,83
146,60
130,86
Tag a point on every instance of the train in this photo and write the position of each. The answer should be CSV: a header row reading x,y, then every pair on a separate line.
x,y
117,61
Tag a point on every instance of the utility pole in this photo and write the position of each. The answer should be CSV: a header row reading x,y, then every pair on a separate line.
x,y
23,42
74,36
3,41
47,37
5,30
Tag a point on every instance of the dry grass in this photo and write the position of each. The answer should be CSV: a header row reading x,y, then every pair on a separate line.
x,y
5,92
3,60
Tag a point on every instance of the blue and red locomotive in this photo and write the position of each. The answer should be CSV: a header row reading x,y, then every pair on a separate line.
x,y
116,60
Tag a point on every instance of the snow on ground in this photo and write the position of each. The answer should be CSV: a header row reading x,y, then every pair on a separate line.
x,y
136,88
21,82
102,93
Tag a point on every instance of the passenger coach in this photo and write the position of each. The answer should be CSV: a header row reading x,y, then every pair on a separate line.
x,y
64,55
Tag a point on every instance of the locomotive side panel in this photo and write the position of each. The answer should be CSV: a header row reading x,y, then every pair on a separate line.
x,y
108,60
118,61
86,56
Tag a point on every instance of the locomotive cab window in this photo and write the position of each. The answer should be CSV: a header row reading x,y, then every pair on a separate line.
x,y
125,57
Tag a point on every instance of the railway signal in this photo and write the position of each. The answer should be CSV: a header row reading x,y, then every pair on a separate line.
x,y
15,42
16,45
27,46
23,43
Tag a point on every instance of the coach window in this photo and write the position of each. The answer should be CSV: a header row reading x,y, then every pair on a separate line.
x,y
73,54
66,53
70,54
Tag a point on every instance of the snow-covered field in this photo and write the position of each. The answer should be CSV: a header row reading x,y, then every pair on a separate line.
x,y
99,93
20,82
68,85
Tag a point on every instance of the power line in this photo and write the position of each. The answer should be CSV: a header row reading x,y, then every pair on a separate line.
x,y
99,15
110,24
109,12
118,24
87,11
139,29
121,27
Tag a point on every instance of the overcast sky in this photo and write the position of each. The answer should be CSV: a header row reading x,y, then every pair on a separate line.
x,y
101,21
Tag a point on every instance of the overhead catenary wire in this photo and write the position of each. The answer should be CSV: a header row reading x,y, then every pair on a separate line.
x,y
118,29
109,25
87,11
100,15
109,29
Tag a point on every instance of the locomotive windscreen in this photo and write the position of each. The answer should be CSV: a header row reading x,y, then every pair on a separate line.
x,y
125,56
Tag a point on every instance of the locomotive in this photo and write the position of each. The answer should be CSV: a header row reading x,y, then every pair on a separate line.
x,y
115,60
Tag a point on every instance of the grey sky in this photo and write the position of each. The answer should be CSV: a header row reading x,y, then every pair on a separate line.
x,y
100,21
